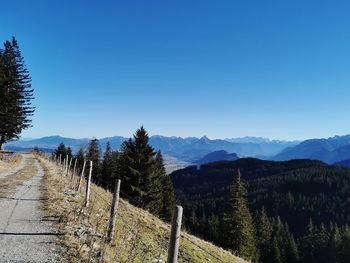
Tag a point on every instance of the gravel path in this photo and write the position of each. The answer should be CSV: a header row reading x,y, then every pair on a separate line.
x,y
24,234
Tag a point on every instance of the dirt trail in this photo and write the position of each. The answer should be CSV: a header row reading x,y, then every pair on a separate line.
x,y
25,235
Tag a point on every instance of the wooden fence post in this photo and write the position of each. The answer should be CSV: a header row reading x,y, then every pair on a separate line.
x,y
88,185
74,168
114,210
69,166
60,159
174,243
81,177
67,163
63,166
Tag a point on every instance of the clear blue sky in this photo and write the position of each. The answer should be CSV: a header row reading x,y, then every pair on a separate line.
x,y
279,69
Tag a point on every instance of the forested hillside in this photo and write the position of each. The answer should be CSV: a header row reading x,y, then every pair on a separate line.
x,y
303,201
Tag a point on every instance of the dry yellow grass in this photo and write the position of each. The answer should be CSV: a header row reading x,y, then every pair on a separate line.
x,y
139,236
9,183
6,166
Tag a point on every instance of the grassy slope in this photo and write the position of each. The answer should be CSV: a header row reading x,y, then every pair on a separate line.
x,y
140,237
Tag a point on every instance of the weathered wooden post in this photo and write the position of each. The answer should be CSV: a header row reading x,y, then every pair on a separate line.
x,y
69,166
66,167
74,168
81,176
88,185
174,243
114,211
63,167
60,159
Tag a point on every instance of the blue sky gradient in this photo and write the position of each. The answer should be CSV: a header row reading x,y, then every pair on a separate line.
x,y
278,69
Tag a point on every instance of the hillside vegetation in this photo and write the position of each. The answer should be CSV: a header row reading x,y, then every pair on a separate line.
x,y
140,236
301,205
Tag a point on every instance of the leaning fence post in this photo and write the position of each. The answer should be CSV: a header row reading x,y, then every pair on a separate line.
x,y
174,243
114,210
88,185
81,177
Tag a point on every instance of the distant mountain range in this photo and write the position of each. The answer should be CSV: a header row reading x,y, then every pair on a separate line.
x,y
200,150
185,149
331,150
344,163
217,156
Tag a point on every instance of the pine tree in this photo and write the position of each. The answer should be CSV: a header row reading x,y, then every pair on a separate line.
x,y
69,153
16,93
334,243
139,173
137,165
344,250
307,243
292,252
239,223
263,235
61,151
93,154
107,167
167,190
80,156
275,253
124,169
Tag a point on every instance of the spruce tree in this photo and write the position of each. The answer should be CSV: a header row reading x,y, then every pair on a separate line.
x,y
61,151
239,228
307,243
69,153
292,252
167,190
94,154
275,253
16,93
139,173
80,156
334,244
107,167
263,235
344,250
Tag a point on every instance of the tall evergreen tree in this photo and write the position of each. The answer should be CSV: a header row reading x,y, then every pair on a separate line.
x,y
107,167
61,151
16,93
291,252
275,252
69,152
263,235
334,243
239,226
344,251
94,154
80,156
138,170
167,190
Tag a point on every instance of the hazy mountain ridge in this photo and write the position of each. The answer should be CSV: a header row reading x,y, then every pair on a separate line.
x,y
186,149
191,149
217,156
329,150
